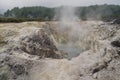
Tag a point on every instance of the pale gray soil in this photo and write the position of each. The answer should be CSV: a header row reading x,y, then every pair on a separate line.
x,y
98,58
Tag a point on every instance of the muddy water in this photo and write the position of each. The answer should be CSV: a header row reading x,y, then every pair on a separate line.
x,y
72,50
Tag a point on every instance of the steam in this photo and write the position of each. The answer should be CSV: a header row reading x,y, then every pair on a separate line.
x,y
80,34
67,13
70,24
68,19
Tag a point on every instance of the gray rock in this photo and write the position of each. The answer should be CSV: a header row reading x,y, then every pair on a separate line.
x,y
116,21
40,44
18,69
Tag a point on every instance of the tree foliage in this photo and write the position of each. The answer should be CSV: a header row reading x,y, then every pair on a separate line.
x,y
31,12
95,12
99,12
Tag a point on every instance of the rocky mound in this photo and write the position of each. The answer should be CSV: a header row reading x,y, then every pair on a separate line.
x,y
100,62
34,42
39,44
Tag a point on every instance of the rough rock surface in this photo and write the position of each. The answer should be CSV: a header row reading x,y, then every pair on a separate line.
x,y
39,44
116,21
35,43
100,62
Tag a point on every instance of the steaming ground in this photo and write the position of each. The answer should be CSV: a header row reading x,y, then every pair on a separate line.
x,y
91,46
68,37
